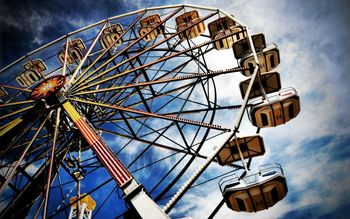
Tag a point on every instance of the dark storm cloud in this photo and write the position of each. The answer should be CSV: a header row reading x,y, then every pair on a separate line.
x,y
26,25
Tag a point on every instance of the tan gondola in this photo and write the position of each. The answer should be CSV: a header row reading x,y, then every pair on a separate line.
x,y
148,24
270,81
187,19
222,27
75,49
87,199
276,110
32,73
269,59
255,192
86,205
250,146
242,48
110,35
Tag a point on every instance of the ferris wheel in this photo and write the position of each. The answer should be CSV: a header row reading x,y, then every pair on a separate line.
x,y
121,111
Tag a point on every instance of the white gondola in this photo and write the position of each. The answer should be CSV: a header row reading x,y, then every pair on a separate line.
x,y
242,48
255,192
110,35
32,73
222,27
148,24
75,51
269,59
270,81
277,109
250,146
186,20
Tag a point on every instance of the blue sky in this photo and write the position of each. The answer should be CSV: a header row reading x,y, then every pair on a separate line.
x,y
313,37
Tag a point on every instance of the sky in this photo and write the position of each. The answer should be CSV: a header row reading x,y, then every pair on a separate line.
x,y
313,37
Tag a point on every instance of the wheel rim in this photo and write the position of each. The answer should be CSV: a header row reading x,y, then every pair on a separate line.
x,y
149,112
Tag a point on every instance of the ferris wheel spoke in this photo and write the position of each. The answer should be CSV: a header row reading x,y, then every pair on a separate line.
x,y
127,124
176,152
16,103
15,88
154,143
174,113
16,112
130,110
8,126
166,93
166,80
81,86
27,163
20,123
51,160
64,67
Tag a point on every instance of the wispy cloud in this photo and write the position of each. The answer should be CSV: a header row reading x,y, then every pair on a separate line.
x,y
309,64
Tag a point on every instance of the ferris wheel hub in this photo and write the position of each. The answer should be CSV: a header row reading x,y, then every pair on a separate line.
x,y
50,86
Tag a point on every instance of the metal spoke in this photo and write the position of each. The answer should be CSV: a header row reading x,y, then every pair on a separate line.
x,y
171,118
15,112
160,81
15,88
52,157
16,103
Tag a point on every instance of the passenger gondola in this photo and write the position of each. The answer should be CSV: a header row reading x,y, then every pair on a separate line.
x,y
255,192
186,20
269,59
223,27
277,109
250,146
270,82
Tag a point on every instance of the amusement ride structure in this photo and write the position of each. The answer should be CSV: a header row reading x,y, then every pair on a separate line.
x,y
133,100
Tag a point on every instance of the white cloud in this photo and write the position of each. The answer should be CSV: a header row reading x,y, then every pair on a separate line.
x,y
317,76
